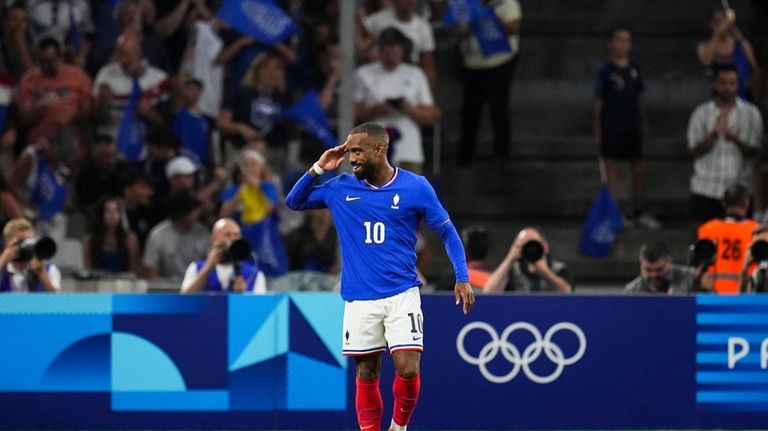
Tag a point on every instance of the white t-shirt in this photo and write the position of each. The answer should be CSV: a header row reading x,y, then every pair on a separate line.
x,y
49,18
207,46
154,84
417,30
374,85
19,282
225,273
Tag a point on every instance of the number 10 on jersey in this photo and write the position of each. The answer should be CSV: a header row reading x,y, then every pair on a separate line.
x,y
374,232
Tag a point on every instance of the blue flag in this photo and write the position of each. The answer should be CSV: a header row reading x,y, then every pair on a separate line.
x,y
485,25
311,117
130,137
603,223
47,193
263,20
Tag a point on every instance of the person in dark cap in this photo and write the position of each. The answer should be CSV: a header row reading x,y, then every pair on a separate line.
x,y
176,241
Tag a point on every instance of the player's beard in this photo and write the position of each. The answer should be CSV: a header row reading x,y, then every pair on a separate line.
x,y
366,171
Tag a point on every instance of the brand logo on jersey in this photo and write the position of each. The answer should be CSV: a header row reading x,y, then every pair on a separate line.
x,y
416,338
396,202
350,198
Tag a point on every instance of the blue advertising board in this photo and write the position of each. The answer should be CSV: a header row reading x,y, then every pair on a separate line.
x,y
90,361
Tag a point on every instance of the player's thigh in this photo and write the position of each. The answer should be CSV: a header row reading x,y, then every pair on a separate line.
x,y
404,324
363,328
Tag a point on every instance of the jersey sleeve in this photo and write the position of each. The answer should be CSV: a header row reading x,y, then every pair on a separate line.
x,y
437,218
305,195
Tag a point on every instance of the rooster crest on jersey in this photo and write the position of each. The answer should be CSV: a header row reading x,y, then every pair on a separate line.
x,y
396,202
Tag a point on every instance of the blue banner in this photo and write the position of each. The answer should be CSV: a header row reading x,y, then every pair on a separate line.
x,y
263,20
47,193
310,116
93,361
130,136
603,224
485,24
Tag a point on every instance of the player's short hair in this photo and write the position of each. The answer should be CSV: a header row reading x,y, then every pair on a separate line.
x,y
15,226
655,251
735,196
374,130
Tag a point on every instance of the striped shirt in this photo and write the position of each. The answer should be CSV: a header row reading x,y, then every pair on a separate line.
x,y
154,85
724,165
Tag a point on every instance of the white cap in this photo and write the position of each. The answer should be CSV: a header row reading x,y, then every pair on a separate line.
x,y
180,165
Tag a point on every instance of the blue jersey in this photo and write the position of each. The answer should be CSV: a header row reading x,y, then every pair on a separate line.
x,y
377,229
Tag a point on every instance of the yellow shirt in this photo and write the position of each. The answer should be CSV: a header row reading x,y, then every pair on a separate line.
x,y
254,204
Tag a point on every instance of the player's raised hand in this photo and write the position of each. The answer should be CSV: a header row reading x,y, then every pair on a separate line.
x,y
332,158
465,294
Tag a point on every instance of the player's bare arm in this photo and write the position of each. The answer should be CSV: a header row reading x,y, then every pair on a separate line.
x,y
464,294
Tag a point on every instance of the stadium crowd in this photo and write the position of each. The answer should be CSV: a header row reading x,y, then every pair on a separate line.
x,y
163,133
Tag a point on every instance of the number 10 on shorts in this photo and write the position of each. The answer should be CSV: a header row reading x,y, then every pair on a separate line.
x,y
374,232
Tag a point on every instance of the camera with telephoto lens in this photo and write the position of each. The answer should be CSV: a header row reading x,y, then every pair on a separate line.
x,y
236,251
759,251
532,251
703,252
42,248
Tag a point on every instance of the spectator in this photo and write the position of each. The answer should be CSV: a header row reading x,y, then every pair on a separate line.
x,y
488,79
619,121
659,275
314,245
114,85
41,175
174,19
732,235
523,274
54,97
176,241
754,274
218,272
192,127
183,175
728,46
724,135
255,198
139,214
68,22
250,112
402,16
22,272
101,173
15,54
396,95
109,246
162,147
130,16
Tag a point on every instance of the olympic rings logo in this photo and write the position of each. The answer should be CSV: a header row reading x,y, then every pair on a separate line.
x,y
521,361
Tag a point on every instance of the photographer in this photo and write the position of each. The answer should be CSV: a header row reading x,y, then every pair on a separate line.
x,y
731,235
753,274
528,267
222,271
21,270
659,275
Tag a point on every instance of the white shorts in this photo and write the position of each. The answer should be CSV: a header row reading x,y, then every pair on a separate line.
x,y
372,326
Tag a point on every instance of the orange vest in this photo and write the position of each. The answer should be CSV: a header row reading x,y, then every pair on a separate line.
x,y
478,277
733,238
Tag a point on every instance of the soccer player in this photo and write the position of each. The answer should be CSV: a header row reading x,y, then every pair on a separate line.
x,y
377,212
